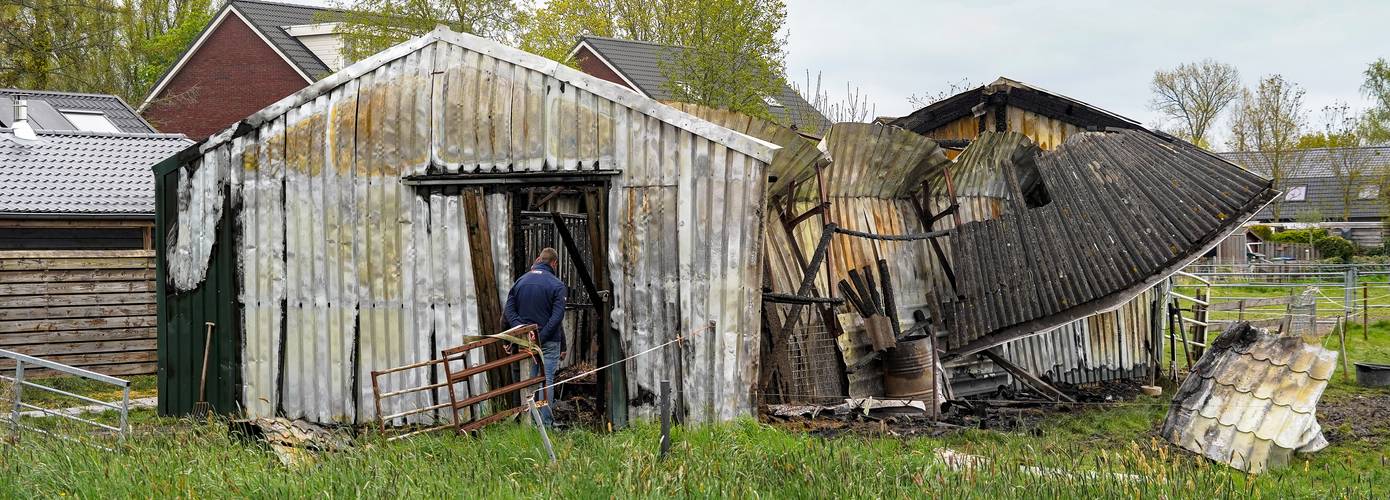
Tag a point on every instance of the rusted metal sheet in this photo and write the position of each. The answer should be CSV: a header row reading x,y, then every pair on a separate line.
x,y
201,188
345,268
1251,400
1113,345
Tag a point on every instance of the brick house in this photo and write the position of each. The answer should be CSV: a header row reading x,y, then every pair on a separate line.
x,y
250,55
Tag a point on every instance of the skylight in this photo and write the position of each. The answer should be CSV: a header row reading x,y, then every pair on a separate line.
x,y
89,121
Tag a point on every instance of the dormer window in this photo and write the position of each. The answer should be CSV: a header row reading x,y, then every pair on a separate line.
x,y
1296,193
772,102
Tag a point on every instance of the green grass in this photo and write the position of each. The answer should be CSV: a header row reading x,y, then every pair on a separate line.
x,y
170,457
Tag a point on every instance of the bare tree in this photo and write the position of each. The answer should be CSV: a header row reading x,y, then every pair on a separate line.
x,y
952,88
1348,161
855,107
1194,95
1268,122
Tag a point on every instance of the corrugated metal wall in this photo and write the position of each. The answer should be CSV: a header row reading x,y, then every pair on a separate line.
x,y
183,314
345,269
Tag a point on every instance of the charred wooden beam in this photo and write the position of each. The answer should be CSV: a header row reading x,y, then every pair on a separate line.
x,y
1028,378
787,298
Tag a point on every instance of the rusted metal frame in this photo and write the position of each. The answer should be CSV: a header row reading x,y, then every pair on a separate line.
x,y
928,220
455,377
511,388
811,212
780,352
1028,378
461,354
378,396
890,303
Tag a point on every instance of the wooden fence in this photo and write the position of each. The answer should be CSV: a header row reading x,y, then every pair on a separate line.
x,y
93,309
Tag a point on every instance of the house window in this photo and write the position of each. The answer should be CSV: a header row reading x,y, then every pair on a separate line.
x,y
89,121
772,101
1296,193
1368,192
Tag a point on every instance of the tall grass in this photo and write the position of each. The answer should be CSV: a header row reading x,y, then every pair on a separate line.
x,y
741,459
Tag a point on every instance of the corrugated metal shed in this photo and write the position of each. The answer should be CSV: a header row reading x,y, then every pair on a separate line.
x,y
82,172
348,261
1251,400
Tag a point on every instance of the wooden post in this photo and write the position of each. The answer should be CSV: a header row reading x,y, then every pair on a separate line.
x,y
1365,313
485,286
1342,335
665,418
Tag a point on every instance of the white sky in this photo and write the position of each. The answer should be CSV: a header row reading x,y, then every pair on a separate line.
x,y
1102,54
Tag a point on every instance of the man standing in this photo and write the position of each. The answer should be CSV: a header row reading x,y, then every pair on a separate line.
x,y
538,298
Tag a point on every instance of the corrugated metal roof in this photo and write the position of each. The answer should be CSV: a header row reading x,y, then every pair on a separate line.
x,y
82,172
270,19
1251,400
641,63
116,110
1126,208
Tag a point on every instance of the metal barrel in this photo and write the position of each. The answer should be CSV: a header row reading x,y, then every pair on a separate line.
x,y
907,369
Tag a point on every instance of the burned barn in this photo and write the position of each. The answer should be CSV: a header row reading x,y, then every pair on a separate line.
x,y
376,219
380,215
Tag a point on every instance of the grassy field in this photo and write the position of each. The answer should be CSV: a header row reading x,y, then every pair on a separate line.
x,y
1086,451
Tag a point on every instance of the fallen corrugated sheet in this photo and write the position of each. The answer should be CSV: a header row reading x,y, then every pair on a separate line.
x,y
1121,211
1251,400
346,266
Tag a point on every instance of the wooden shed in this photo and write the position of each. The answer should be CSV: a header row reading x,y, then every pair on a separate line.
x,y
380,214
76,246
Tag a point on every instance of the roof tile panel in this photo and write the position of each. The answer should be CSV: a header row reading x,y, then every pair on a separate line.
x,y
82,172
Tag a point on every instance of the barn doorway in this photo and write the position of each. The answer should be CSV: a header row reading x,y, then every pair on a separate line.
x,y
572,219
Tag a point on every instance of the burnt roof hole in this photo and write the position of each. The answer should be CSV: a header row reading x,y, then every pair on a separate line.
x,y
1030,181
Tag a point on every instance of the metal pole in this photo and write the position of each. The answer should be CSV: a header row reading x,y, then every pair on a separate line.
x,y
536,418
665,418
1365,313
125,412
18,393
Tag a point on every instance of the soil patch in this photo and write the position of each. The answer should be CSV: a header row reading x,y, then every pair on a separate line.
x,y
1356,418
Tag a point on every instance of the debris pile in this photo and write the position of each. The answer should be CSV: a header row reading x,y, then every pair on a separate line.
x,y
293,441
1251,400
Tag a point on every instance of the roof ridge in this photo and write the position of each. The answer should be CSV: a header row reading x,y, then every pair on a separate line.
x,y
625,40
286,4
57,92
91,133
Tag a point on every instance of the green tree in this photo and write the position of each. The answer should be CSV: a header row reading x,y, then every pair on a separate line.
x,y
102,46
1268,122
372,25
1375,123
730,52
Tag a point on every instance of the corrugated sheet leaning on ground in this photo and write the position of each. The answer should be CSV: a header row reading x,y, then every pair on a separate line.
x,y
353,270
1252,399
1126,208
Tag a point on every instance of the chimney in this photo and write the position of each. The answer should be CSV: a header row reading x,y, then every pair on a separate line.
x,y
21,127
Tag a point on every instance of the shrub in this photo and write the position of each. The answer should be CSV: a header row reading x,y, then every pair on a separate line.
x,y
1299,235
1335,247
1264,232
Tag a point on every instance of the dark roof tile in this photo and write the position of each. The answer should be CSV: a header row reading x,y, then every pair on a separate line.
x,y
82,172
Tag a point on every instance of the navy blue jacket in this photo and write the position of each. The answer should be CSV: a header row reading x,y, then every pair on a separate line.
x,y
538,298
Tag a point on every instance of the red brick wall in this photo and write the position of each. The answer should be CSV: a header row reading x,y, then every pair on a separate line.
x,y
591,64
233,75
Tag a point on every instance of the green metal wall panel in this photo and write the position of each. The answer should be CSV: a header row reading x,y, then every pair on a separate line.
x,y
183,315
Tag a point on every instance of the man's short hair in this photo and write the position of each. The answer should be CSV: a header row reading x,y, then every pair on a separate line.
x,y
548,255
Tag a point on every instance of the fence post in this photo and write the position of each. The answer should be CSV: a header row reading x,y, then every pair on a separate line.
x,y
1366,312
18,394
665,418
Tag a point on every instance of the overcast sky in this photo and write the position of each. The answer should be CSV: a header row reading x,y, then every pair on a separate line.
x,y
1104,56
